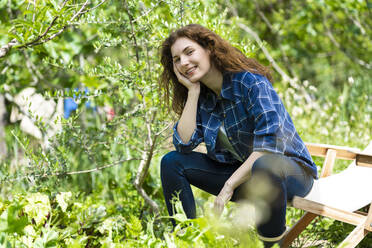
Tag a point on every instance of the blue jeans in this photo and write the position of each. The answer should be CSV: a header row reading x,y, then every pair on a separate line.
x,y
285,177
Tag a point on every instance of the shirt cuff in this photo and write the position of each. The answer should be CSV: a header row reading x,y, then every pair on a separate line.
x,y
267,149
269,144
179,144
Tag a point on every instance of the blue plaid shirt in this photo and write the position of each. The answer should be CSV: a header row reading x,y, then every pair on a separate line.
x,y
254,118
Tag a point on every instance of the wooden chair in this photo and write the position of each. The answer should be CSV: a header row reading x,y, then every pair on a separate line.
x,y
339,196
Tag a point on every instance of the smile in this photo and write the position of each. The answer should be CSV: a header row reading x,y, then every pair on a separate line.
x,y
190,71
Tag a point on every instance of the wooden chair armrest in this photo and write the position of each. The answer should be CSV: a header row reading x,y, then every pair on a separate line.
x,y
363,159
342,152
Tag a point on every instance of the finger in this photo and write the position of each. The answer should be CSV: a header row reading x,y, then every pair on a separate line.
x,y
179,76
216,204
226,198
217,211
219,204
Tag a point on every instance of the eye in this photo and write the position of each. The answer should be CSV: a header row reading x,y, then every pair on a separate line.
x,y
190,52
176,60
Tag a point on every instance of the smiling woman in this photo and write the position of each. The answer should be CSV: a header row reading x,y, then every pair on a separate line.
x,y
226,100
223,56
191,60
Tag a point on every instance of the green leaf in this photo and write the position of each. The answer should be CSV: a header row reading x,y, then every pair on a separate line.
x,y
37,207
12,221
62,199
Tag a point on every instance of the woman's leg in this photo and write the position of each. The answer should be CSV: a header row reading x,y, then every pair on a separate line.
x,y
179,170
275,180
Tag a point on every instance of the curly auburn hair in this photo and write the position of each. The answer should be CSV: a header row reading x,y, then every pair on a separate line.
x,y
223,55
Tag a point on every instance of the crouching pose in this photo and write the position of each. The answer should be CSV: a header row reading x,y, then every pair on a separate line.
x,y
226,100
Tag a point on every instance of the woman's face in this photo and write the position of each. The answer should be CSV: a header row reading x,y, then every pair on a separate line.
x,y
190,59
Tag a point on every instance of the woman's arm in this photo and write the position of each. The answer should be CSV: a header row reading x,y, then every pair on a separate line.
x,y
187,122
241,175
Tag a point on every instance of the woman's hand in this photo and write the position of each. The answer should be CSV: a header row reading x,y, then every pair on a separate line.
x,y
185,81
223,197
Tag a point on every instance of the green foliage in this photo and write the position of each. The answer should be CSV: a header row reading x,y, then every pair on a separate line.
x,y
113,50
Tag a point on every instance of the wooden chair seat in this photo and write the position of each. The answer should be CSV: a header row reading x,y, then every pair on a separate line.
x,y
339,196
348,190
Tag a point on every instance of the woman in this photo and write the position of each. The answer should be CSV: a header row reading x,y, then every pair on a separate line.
x,y
226,100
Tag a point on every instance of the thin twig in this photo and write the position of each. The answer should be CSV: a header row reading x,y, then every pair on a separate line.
x,y
286,78
33,16
32,69
98,168
39,40
62,173
267,54
132,30
343,50
45,32
78,14
147,12
163,130
275,32
262,15
9,10
89,10
80,11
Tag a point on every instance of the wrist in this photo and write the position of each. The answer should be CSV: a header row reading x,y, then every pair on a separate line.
x,y
229,184
194,91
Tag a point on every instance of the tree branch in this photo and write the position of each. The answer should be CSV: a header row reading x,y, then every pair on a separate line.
x,y
45,32
97,168
147,12
292,81
80,12
41,38
147,155
141,175
4,50
275,32
9,9
265,51
263,17
132,30
88,10
343,50
3,148
62,173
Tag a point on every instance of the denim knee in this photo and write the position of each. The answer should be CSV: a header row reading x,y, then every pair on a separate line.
x,y
269,164
169,163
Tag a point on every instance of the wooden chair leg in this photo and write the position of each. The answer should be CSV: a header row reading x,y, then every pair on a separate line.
x,y
368,224
297,229
353,239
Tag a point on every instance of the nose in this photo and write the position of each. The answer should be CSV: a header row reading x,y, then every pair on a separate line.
x,y
184,61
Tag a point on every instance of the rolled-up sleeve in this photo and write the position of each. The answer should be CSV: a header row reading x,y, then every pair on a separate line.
x,y
195,140
266,110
